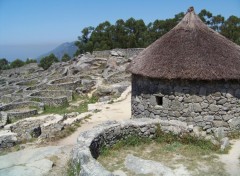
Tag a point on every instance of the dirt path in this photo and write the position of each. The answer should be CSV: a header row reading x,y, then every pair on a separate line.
x,y
231,160
116,111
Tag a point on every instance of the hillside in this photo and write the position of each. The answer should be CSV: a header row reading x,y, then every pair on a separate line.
x,y
68,48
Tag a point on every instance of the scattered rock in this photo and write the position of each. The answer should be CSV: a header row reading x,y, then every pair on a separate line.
x,y
224,143
141,166
7,139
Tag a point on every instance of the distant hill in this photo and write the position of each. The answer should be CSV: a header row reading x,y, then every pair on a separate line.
x,y
68,48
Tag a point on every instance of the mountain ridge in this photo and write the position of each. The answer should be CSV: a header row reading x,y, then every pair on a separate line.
x,y
68,47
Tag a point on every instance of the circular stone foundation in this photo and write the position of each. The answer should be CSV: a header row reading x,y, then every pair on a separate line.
x,y
68,83
52,98
89,143
21,110
28,83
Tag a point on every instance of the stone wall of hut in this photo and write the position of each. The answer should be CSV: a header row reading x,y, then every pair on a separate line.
x,y
207,104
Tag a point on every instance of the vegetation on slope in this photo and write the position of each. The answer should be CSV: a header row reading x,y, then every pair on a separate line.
x,y
134,33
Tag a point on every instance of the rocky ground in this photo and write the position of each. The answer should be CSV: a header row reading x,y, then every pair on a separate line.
x,y
65,88
30,91
89,90
52,159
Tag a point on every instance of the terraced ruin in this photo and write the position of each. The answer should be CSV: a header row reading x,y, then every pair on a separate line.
x,y
31,91
38,107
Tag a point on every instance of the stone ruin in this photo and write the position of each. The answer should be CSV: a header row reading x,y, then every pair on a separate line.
x,y
89,143
26,91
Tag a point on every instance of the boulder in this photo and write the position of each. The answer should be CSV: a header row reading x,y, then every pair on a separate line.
x,y
114,53
224,143
3,119
234,123
104,90
148,167
7,139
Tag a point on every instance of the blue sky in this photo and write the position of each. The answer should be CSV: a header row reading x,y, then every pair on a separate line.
x,y
29,28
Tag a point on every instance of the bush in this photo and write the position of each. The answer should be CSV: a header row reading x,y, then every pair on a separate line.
x,y
28,61
47,61
66,58
17,63
4,64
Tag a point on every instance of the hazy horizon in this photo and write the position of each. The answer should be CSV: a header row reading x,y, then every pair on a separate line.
x,y
32,28
26,51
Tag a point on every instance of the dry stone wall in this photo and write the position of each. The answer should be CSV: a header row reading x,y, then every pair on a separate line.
x,y
51,98
129,52
209,105
89,143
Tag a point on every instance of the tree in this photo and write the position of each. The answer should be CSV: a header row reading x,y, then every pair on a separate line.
x,y
217,22
205,16
102,36
66,58
4,64
28,61
119,34
83,43
134,33
17,63
47,61
231,29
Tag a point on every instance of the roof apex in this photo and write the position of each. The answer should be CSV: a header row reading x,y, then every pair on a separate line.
x,y
191,50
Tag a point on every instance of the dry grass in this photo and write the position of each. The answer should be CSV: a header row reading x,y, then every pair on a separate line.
x,y
198,158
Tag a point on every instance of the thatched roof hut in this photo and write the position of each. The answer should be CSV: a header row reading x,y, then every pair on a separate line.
x,y
191,51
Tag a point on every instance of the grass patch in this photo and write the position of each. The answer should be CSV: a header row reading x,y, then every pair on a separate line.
x,y
19,91
131,141
5,151
73,170
68,130
76,97
234,135
31,83
83,107
36,99
56,110
12,120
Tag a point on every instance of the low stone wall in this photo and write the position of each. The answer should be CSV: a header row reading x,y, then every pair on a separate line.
x,y
14,106
21,115
6,99
7,139
90,142
64,86
63,80
59,101
129,52
43,127
6,91
16,111
209,105
28,82
52,94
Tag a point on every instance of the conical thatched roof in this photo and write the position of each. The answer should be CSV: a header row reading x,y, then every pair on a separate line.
x,y
191,50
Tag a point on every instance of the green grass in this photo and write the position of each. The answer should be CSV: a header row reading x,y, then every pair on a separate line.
x,y
198,156
83,107
131,141
36,99
20,91
234,135
56,110
73,170
170,140
31,83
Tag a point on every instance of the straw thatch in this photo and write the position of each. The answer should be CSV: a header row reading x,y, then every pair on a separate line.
x,y
191,50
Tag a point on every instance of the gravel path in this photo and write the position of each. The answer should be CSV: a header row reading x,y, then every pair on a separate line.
x,y
232,159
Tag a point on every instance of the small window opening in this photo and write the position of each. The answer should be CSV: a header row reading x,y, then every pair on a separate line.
x,y
159,100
